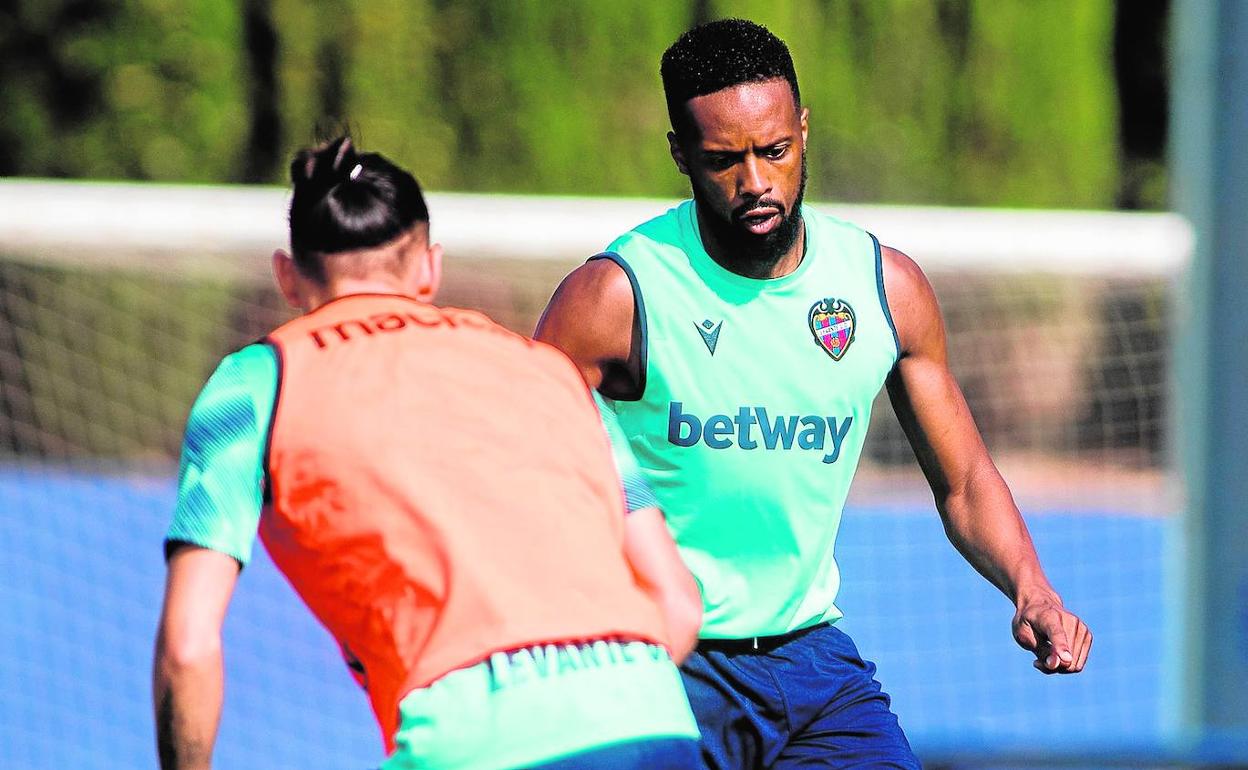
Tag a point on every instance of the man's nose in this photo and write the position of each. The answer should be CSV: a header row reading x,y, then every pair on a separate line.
x,y
752,182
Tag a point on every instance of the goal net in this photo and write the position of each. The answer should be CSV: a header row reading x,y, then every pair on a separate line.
x,y
116,301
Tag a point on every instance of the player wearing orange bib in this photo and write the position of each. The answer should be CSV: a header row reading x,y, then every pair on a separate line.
x,y
442,495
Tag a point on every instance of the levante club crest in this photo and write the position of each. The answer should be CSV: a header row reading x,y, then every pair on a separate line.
x,y
832,323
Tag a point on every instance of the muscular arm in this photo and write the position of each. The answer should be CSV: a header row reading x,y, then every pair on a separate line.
x,y
591,319
977,509
187,671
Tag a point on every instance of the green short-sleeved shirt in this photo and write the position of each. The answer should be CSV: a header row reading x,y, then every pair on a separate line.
x,y
221,478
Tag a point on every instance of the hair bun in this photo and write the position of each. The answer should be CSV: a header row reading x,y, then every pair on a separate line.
x,y
345,157
345,200
326,165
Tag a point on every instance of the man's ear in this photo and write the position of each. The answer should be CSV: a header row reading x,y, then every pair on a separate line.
x,y
286,273
805,119
678,155
429,273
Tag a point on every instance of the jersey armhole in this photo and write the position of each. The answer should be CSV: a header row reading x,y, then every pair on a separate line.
x,y
266,495
879,282
639,310
174,544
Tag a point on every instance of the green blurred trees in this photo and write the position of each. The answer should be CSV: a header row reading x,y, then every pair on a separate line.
x,y
518,96
930,101
968,102
145,89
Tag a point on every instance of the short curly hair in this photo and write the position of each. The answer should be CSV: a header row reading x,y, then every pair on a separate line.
x,y
718,55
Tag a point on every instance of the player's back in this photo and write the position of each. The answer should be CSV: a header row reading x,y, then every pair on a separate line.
x,y
441,489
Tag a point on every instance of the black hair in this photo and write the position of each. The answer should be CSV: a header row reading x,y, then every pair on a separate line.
x,y
344,200
718,55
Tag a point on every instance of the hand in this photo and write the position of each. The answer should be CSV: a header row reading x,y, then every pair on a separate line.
x,y
1059,639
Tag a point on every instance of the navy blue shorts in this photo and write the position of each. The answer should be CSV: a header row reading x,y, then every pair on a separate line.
x,y
806,700
652,754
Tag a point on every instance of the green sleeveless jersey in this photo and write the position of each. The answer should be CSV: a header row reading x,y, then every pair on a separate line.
x,y
755,399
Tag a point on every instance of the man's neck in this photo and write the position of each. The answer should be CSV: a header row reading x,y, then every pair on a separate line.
x,y
343,287
746,266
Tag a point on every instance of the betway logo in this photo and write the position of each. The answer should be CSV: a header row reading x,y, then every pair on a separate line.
x,y
752,426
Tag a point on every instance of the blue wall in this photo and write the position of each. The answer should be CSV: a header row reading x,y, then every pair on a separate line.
x,y
81,577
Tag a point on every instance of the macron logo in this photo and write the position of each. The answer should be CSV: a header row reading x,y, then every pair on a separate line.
x,y
710,333
752,425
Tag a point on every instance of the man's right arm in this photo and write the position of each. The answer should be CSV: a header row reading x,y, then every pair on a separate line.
x,y
187,670
591,318
209,541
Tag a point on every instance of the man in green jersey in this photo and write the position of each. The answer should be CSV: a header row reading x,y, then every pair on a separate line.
x,y
742,339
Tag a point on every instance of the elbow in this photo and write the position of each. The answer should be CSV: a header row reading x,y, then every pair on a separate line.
x,y
693,600
684,620
957,515
176,653
974,501
952,511
690,613
957,500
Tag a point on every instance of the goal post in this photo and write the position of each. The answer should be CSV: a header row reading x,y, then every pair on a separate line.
x,y
116,300
232,228
1210,166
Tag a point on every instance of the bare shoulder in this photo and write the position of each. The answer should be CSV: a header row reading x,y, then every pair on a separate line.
x,y
904,281
599,283
911,301
590,318
595,296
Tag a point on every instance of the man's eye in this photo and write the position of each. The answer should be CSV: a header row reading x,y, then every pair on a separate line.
x,y
720,161
775,153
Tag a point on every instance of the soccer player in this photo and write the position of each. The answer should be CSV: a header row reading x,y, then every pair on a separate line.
x,y
442,495
743,338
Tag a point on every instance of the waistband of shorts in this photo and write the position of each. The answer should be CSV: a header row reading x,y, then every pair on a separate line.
x,y
756,644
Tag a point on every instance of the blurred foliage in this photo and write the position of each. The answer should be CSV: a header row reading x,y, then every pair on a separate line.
x,y
921,101
969,102
145,89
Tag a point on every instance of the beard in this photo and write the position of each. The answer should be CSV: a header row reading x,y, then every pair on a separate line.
x,y
749,254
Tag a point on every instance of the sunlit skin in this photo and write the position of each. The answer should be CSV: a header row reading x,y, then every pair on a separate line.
x,y
742,150
743,153
409,265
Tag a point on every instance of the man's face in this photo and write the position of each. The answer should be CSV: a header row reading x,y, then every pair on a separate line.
x,y
744,152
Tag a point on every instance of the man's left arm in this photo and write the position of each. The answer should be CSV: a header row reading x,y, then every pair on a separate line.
x,y
975,504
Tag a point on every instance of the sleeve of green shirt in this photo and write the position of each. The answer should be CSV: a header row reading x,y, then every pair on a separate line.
x,y
221,477
637,492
